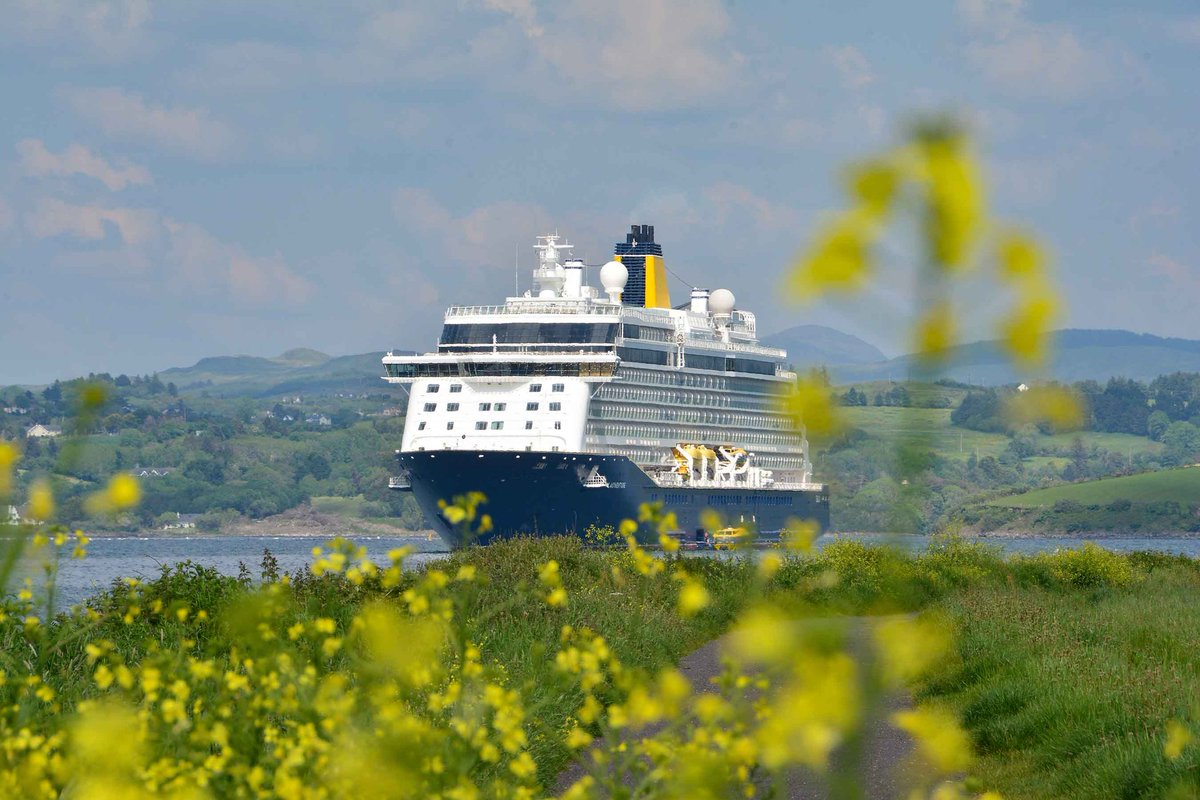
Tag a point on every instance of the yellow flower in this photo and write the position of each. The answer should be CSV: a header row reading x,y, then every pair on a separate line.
x,y
768,565
693,597
668,543
954,204
8,457
874,185
1026,331
41,500
908,647
808,403
939,737
1020,256
838,259
123,492
799,535
1057,406
557,598
1178,738
936,333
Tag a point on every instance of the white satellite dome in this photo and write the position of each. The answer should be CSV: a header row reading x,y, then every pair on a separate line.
x,y
613,276
721,301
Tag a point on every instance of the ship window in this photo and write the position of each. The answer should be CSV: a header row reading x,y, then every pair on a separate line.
x,y
481,426
558,425
433,388
501,406
558,387
528,424
452,406
555,448
421,426
431,406
485,406
497,425
556,406
536,387
455,388
449,426
531,406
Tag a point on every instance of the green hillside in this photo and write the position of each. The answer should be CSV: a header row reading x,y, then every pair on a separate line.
x,y
1175,485
298,371
894,424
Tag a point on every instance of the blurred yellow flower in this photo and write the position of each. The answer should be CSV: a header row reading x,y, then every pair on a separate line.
x,y
939,737
41,501
1178,738
8,457
1060,408
1020,257
874,184
693,597
121,494
839,257
909,647
954,204
936,333
810,403
1026,331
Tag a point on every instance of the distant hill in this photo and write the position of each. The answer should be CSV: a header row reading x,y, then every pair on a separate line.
x,y
1077,355
816,345
299,371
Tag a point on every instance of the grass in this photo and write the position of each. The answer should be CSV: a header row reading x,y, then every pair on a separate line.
x,y
1066,694
894,424
1178,485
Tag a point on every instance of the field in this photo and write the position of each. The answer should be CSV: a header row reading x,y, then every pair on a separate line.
x,y
894,424
1178,485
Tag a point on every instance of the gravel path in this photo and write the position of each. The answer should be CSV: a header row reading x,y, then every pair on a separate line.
x,y
884,748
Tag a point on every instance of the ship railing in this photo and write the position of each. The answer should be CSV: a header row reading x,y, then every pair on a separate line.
x,y
536,307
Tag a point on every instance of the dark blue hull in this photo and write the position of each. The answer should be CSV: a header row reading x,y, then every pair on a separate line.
x,y
544,494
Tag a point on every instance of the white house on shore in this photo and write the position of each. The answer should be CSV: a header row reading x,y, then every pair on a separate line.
x,y
40,431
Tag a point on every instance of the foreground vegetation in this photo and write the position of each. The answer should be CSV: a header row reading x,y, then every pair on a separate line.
x,y
486,674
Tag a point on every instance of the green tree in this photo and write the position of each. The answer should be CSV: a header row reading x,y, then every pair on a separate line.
x,y
1157,424
1182,442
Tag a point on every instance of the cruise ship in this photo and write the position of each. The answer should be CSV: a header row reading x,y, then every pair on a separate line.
x,y
570,405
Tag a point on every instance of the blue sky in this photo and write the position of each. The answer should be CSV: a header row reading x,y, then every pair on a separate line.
x,y
181,180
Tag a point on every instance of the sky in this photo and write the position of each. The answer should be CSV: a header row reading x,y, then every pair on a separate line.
x,y
180,180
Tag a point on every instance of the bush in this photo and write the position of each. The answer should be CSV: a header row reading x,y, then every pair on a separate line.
x,y
1091,566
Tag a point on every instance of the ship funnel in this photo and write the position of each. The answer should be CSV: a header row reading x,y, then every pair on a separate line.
x,y
700,301
647,274
573,286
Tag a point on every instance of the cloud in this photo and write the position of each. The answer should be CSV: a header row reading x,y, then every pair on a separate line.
x,y
188,131
200,257
53,218
110,29
1031,59
853,66
636,55
184,256
1185,29
37,161
1180,276
727,199
471,240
